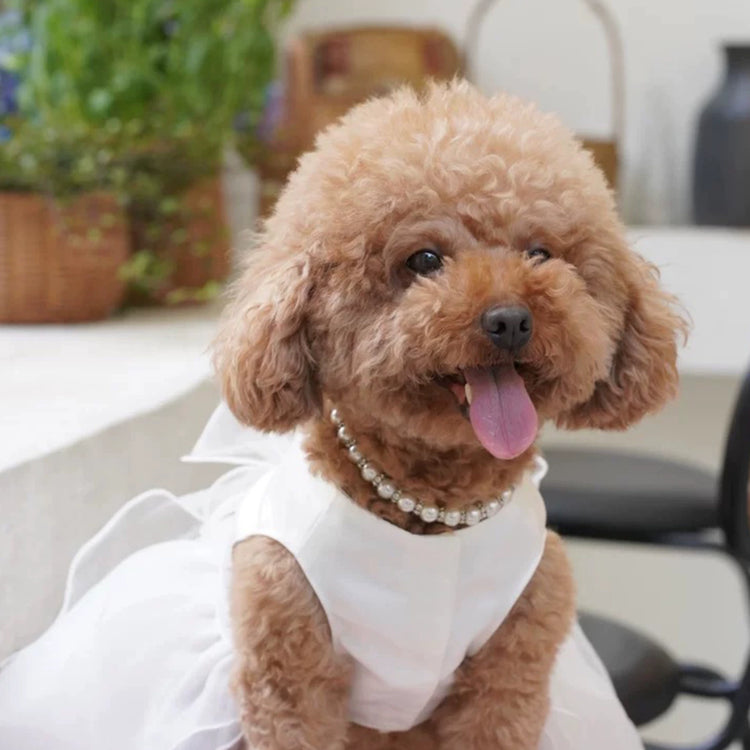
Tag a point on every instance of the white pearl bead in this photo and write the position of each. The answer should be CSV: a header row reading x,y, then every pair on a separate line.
x,y
406,504
386,489
452,517
429,513
492,507
368,472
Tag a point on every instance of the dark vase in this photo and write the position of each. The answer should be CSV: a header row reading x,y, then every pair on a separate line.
x,y
721,179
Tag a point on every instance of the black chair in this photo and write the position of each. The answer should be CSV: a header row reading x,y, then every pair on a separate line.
x,y
634,498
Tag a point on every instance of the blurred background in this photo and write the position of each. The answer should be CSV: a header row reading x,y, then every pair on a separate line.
x,y
140,140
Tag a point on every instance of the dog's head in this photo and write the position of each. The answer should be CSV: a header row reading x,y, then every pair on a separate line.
x,y
441,247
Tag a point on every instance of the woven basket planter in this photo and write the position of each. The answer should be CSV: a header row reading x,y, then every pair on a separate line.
x,y
195,241
59,260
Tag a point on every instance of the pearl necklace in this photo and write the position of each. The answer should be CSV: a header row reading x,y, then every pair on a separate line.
x,y
385,487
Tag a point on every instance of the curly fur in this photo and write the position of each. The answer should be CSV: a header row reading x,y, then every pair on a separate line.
x,y
326,312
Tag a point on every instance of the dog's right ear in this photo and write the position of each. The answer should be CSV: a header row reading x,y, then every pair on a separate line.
x,y
262,354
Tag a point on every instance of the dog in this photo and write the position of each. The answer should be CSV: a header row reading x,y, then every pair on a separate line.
x,y
448,272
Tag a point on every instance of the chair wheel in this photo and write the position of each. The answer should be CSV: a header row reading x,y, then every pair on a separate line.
x,y
645,676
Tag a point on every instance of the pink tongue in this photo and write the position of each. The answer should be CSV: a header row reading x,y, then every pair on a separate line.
x,y
501,412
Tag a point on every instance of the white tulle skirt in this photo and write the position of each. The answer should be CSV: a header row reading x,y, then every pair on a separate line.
x,y
141,654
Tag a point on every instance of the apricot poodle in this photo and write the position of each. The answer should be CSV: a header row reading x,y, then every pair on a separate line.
x,y
448,271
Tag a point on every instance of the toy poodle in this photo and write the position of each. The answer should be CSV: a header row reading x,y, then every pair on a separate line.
x,y
447,272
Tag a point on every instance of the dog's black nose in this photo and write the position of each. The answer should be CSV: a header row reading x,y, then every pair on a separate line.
x,y
508,327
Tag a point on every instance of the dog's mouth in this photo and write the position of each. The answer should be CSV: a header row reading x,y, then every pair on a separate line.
x,y
496,402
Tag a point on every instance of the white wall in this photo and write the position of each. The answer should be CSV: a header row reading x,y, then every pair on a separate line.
x,y
553,51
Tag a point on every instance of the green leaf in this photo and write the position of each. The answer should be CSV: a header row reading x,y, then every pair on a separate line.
x,y
100,101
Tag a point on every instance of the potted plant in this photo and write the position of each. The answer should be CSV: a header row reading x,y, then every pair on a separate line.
x,y
63,235
158,83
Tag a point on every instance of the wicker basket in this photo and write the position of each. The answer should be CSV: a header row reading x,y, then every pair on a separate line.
x,y
328,72
195,242
206,255
59,260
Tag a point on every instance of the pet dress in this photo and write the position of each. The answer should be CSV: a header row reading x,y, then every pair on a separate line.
x,y
141,654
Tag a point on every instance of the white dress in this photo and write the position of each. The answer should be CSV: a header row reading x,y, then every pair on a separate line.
x,y
140,656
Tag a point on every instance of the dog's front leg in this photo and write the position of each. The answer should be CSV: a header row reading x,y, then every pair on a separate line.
x,y
291,687
500,698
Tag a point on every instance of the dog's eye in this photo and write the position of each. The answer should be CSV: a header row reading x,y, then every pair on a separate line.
x,y
538,253
425,262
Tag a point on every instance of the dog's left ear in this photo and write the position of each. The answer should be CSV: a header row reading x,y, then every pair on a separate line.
x,y
262,354
643,373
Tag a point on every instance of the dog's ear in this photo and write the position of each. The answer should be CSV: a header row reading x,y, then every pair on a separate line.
x,y
262,354
643,372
